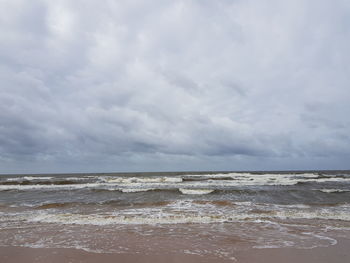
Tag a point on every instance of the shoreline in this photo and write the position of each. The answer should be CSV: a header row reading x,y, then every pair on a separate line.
x,y
338,253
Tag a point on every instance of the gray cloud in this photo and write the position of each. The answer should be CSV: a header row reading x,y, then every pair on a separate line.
x,y
174,85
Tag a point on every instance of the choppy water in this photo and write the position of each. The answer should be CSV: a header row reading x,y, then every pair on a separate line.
x,y
206,214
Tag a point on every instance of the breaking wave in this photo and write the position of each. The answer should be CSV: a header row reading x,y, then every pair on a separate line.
x,y
183,212
190,182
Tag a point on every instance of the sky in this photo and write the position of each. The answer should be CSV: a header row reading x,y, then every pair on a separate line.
x,y
174,85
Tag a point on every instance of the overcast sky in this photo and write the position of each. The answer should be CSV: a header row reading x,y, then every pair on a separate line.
x,y
103,86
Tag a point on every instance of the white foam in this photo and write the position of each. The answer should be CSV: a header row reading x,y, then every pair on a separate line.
x,y
318,214
196,191
29,178
162,218
249,179
174,218
247,176
322,180
331,241
283,244
128,180
135,190
37,177
186,211
333,190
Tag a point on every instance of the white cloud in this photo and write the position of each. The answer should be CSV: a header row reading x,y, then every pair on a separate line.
x,y
176,84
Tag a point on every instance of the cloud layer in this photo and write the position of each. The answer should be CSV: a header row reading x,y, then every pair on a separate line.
x,y
174,85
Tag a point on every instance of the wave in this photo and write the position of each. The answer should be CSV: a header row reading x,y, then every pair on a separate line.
x,y
229,181
210,184
173,218
196,205
177,212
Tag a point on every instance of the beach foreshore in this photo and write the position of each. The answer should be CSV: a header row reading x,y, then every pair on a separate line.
x,y
339,253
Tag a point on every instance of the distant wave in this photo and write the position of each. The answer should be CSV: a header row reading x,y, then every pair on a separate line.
x,y
30,178
46,182
186,184
135,184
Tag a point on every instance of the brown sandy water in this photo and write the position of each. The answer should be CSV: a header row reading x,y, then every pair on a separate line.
x,y
336,254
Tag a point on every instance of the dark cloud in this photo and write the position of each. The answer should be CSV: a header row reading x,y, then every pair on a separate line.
x,y
173,85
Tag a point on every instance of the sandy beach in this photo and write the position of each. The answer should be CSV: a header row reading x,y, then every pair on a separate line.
x,y
336,254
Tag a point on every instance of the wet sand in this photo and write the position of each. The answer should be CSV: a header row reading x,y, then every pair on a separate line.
x,y
339,253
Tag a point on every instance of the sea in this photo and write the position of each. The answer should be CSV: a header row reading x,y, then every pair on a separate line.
x,y
202,213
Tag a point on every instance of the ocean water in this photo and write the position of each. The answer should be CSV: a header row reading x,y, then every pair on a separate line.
x,y
212,214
